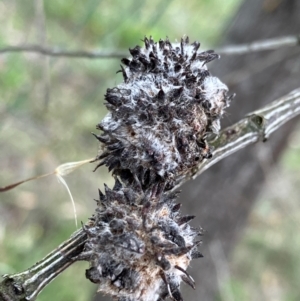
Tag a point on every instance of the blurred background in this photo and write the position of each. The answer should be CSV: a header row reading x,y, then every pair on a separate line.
x,y
248,204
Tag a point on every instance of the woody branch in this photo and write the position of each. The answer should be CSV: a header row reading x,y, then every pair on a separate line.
x,y
263,45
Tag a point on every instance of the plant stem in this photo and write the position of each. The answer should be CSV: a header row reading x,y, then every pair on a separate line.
x,y
256,126
28,284
263,45
57,52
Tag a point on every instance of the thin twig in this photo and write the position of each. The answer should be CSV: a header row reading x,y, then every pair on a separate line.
x,y
57,52
269,44
254,127
28,284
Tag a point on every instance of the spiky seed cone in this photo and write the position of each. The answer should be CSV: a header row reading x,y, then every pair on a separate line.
x,y
139,246
160,115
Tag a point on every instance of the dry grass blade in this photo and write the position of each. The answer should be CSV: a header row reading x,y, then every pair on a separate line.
x,y
61,171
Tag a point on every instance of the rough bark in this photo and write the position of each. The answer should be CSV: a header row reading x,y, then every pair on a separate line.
x,y
222,198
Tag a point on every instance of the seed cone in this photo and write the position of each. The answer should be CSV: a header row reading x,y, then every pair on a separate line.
x,y
139,246
160,115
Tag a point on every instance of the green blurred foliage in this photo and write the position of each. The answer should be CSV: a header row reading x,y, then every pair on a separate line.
x,y
49,106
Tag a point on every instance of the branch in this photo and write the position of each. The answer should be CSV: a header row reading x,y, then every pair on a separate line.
x,y
270,44
256,126
28,284
56,52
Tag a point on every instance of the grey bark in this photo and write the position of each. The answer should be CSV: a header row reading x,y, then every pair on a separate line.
x,y
222,197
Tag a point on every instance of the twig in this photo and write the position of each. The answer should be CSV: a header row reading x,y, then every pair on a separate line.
x,y
269,44
254,127
97,54
258,125
28,284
